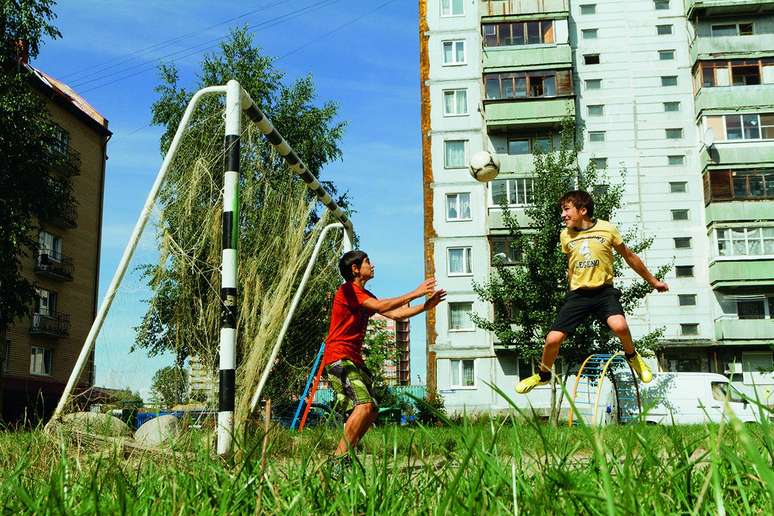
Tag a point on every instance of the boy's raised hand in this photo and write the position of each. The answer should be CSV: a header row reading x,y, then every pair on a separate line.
x,y
437,297
660,286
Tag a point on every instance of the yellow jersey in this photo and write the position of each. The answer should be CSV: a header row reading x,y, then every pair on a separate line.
x,y
590,253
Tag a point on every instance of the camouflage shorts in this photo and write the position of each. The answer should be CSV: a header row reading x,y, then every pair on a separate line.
x,y
351,384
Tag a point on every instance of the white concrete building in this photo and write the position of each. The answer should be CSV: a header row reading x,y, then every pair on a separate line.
x,y
501,74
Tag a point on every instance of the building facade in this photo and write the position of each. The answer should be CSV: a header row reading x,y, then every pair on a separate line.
x,y
40,352
676,93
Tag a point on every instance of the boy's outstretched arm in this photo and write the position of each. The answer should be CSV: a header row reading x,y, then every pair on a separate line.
x,y
639,267
382,306
405,312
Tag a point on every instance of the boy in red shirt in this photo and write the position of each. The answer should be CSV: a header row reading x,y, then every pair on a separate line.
x,y
345,369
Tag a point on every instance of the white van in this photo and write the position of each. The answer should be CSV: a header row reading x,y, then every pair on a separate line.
x,y
693,398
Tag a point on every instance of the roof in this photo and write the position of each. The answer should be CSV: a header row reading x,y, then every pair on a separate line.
x,y
69,98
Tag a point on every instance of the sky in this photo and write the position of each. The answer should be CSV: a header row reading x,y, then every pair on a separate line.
x,y
362,55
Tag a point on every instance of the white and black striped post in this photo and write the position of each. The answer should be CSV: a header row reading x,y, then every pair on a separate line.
x,y
228,282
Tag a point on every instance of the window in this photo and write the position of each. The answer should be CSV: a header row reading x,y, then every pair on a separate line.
x,y
687,299
684,271
45,302
599,163
504,251
670,107
593,84
459,316
459,261
751,309
452,8
674,134
462,373
49,246
455,102
40,361
588,8
458,206
676,160
732,29
753,126
591,59
596,136
597,110
745,241
454,52
679,214
669,80
689,329
515,85
678,186
454,154
513,192
737,72
589,33
535,32
666,55
729,185
661,5
61,139
682,242
518,145
663,30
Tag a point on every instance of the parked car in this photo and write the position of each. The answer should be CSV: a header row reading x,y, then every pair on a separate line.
x,y
694,398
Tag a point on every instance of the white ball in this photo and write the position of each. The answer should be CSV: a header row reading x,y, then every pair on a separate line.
x,y
484,166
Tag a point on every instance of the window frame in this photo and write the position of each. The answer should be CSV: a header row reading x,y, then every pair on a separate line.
x,y
594,31
661,5
676,103
667,52
668,81
684,268
446,165
603,160
467,259
544,26
460,374
507,241
588,82
453,43
687,326
46,360
730,241
673,162
455,92
689,240
673,129
451,9
470,329
589,8
666,29
446,207
737,26
600,106
597,136
672,184
686,211
520,194
530,81
690,300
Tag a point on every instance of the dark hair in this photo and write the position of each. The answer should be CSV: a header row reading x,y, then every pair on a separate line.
x,y
349,259
579,199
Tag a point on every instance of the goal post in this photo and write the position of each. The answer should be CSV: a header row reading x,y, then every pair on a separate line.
x,y
238,104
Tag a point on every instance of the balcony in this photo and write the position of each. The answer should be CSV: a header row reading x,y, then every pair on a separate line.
x,y
67,218
51,326
746,155
748,271
723,99
732,47
536,57
522,7
747,331
536,112
707,8
54,266
739,210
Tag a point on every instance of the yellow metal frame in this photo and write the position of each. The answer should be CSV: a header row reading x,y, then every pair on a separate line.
x,y
602,375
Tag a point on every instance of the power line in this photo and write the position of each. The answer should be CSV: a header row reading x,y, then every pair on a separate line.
x,y
91,70
186,52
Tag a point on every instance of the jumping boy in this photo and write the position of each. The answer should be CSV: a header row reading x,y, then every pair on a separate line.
x,y
343,360
588,244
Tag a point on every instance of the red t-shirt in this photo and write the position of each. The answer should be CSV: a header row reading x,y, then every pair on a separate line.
x,y
349,320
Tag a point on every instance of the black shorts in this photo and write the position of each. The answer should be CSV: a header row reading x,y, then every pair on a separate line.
x,y
600,302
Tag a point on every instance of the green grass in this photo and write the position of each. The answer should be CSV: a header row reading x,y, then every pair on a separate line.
x,y
482,467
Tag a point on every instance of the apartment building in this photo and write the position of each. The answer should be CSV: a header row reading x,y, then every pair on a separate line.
x,y
397,372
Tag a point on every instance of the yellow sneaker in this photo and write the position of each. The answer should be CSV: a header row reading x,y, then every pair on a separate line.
x,y
639,367
529,383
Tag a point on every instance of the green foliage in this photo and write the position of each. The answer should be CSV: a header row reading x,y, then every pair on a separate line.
x,y
527,297
170,386
128,397
34,180
431,410
379,346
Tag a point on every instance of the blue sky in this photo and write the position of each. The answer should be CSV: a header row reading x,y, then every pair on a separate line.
x,y
369,66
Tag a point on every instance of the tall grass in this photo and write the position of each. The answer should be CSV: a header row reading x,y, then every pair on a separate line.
x,y
485,466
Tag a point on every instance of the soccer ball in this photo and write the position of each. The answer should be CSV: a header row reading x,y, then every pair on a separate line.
x,y
484,166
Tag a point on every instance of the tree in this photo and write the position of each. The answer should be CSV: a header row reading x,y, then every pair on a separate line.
x,y
275,225
379,346
527,297
34,179
170,386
